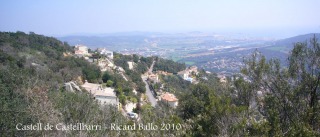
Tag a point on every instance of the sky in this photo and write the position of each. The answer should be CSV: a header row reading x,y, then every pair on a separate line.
x,y
67,17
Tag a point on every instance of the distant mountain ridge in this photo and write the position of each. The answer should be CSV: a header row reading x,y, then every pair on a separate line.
x,y
300,38
287,44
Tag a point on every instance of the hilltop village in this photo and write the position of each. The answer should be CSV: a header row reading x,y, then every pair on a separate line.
x,y
151,90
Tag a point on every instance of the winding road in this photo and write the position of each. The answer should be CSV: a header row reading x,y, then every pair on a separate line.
x,y
149,93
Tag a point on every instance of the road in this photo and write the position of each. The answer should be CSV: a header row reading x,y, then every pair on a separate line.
x,y
151,67
123,76
149,93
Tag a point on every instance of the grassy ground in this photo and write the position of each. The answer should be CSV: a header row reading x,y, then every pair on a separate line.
x,y
189,63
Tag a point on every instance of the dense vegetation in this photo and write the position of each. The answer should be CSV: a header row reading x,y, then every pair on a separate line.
x,y
124,88
266,100
168,66
142,63
31,67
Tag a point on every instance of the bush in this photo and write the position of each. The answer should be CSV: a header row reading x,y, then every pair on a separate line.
x,y
106,76
109,83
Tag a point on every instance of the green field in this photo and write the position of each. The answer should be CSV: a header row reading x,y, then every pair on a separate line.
x,y
189,63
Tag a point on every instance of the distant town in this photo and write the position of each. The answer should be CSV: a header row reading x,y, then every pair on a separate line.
x,y
219,53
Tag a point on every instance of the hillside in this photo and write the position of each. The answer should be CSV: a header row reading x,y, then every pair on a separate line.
x,y
33,71
265,99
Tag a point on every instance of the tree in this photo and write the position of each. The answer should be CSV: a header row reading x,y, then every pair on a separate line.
x,y
92,74
168,65
135,58
141,87
244,92
106,76
291,94
304,70
109,83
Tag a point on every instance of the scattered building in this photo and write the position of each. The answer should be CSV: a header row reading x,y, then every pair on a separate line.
x,y
159,72
106,52
189,73
193,69
130,63
222,78
153,77
103,95
169,99
71,86
81,50
183,74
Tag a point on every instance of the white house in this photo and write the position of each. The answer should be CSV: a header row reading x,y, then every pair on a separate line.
x,y
130,64
183,74
169,99
106,52
103,95
81,50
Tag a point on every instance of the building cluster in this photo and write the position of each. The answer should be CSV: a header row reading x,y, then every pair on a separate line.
x,y
229,64
83,51
189,73
103,63
103,58
106,95
166,97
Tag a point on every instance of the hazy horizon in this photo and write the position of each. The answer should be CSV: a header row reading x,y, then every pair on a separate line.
x,y
61,18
